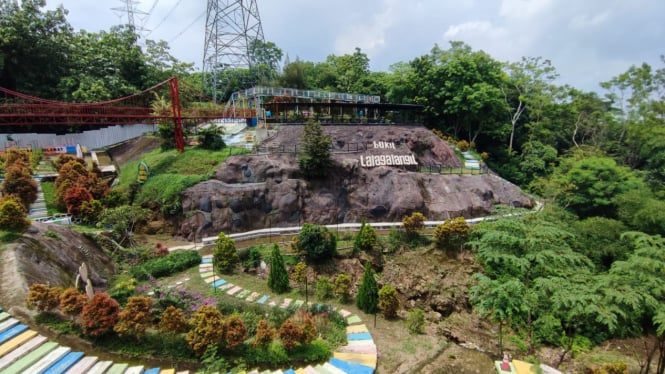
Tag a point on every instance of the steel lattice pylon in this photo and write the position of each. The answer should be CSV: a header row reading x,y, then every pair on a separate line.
x,y
231,26
130,8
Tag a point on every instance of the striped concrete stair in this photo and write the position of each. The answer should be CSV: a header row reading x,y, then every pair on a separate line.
x,y
16,341
20,351
359,356
62,365
117,369
49,359
83,365
100,367
30,358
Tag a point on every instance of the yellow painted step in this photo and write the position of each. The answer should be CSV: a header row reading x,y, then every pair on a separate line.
x,y
358,358
355,329
16,341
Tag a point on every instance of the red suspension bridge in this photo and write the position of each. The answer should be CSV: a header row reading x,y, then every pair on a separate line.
x,y
160,104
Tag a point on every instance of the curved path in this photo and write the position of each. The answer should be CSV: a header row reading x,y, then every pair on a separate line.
x,y
359,356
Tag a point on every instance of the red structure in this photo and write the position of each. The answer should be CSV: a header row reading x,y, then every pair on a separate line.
x,y
24,113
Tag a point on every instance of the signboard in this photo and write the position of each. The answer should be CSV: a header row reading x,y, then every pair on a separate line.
x,y
386,160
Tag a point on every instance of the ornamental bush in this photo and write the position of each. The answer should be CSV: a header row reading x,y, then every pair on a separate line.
x,y
225,254
173,263
316,242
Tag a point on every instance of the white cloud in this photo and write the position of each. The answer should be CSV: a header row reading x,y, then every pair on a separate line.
x,y
586,20
369,35
523,9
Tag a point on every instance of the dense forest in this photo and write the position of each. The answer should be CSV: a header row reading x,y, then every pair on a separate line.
x,y
590,267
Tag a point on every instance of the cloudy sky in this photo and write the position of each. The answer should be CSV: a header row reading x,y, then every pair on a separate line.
x,y
588,41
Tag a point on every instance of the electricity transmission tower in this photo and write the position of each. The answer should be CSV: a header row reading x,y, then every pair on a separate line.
x,y
130,8
231,27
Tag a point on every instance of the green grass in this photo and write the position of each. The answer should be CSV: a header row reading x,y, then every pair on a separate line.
x,y
171,173
48,188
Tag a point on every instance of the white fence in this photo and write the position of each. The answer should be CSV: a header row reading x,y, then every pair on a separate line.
x,y
92,139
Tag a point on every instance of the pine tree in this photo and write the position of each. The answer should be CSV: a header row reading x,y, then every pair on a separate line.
x,y
367,299
366,238
315,159
278,279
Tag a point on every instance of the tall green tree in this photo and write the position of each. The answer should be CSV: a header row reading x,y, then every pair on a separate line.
x,y
366,238
316,242
367,299
225,254
315,158
278,278
35,47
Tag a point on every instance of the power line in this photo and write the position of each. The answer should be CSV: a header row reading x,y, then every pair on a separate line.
x,y
188,27
152,7
165,17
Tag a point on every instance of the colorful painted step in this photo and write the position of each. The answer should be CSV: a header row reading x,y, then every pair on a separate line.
x,y
8,323
117,369
171,371
152,371
48,360
251,298
354,329
100,367
298,303
83,365
218,283
243,294
263,299
234,290
332,368
12,332
13,343
285,303
134,370
4,316
353,320
206,260
350,367
30,358
358,358
21,351
226,286
63,364
207,274
359,336
369,349
210,279
289,371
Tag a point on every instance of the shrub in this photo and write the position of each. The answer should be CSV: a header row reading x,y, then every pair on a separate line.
x,y
172,321
278,278
72,302
265,334
135,318
415,321
290,334
164,266
206,328
316,351
299,274
366,239
253,259
343,287
388,301
225,254
19,183
43,297
235,331
324,288
13,215
99,315
463,145
451,234
317,242
414,223
273,354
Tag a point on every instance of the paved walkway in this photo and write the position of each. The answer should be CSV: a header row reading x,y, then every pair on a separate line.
x,y
359,356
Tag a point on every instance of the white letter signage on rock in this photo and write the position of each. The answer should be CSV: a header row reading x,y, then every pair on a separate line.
x,y
387,160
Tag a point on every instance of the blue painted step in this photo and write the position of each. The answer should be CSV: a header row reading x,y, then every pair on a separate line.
x,y
206,260
351,367
263,299
218,283
290,371
152,371
62,365
359,336
12,332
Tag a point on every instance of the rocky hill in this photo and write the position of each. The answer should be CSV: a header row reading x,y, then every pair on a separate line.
x,y
265,189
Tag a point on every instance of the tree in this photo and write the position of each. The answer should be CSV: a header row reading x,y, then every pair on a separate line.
x,y
317,242
388,301
314,159
19,183
74,198
265,334
343,287
324,288
368,294
299,274
13,214
35,47
206,328
72,302
123,220
172,321
43,297
235,331
99,315
290,334
211,138
265,57
278,279
225,254
415,322
452,233
90,211
135,318
366,238
414,223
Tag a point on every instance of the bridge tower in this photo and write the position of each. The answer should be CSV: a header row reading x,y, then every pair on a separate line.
x,y
130,8
231,27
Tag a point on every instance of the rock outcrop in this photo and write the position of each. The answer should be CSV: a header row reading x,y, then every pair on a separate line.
x,y
267,190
